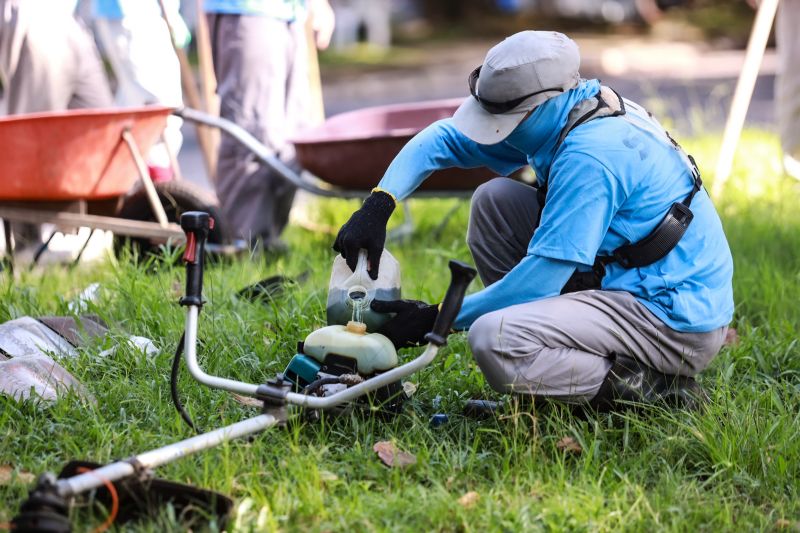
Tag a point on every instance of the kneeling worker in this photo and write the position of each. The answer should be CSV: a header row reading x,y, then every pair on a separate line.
x,y
610,280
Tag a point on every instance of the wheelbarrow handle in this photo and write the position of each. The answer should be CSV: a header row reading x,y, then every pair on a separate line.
x,y
461,276
196,225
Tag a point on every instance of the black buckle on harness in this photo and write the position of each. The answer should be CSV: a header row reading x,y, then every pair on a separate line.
x,y
659,242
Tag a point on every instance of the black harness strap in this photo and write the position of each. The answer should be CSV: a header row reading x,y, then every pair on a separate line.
x,y
654,246
663,238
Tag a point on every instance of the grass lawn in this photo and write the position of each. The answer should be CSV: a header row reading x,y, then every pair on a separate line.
x,y
734,466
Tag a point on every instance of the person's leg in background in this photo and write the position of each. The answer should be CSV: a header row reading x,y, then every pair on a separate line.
x,y
298,117
257,64
787,87
56,67
139,49
12,35
90,87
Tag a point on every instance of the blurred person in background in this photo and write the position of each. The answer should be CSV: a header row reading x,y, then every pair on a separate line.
x,y
48,62
136,39
261,64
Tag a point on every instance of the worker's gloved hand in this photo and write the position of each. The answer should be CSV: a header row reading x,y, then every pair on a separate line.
x,y
412,321
366,229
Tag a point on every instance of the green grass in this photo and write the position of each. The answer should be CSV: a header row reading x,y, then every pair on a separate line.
x,y
732,467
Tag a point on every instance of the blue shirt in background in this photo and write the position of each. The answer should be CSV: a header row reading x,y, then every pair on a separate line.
x,y
119,9
608,184
281,9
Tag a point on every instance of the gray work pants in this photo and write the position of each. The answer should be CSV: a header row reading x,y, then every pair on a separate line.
x,y
787,84
262,79
48,60
561,346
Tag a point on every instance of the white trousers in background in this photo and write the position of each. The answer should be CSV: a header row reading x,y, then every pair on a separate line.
x,y
147,71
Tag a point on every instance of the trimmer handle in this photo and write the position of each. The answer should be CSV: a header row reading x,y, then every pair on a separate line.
x,y
461,276
196,225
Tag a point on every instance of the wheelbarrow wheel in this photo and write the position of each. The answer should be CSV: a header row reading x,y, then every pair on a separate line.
x,y
177,197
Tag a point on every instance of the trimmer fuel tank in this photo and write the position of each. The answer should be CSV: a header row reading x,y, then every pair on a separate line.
x,y
372,352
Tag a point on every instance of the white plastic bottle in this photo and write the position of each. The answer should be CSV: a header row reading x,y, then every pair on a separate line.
x,y
351,292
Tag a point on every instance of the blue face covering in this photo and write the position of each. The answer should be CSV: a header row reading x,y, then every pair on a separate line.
x,y
537,135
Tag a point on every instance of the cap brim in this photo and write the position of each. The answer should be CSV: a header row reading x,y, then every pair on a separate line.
x,y
483,127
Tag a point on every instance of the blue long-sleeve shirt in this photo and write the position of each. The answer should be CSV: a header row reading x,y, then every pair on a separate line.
x,y
609,183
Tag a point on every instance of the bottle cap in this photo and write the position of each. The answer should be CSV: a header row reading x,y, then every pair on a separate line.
x,y
356,327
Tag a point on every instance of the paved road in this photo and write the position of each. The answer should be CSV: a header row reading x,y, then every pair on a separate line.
x,y
688,86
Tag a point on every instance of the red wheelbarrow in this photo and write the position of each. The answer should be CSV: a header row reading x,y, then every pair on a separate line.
x,y
84,168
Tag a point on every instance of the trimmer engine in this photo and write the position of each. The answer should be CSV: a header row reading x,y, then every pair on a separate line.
x,y
334,358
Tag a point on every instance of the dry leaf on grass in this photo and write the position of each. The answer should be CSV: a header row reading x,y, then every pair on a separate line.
x,y
783,523
568,444
247,400
177,288
392,456
7,475
469,499
409,387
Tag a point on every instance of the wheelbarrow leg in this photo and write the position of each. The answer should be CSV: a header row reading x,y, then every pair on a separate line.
x,y
173,159
144,175
83,248
8,258
42,247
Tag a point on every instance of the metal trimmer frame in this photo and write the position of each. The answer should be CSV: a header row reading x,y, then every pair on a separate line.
x,y
275,394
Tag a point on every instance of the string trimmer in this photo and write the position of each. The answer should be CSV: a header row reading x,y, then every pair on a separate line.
x,y
318,380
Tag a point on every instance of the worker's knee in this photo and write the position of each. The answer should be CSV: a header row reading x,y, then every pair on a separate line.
x,y
481,335
484,211
486,342
491,193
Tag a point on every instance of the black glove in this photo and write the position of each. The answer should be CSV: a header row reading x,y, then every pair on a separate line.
x,y
414,319
366,229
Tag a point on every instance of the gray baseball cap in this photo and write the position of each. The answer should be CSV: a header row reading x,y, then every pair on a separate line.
x,y
517,75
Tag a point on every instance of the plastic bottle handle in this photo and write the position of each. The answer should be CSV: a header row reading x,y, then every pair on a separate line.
x,y
361,265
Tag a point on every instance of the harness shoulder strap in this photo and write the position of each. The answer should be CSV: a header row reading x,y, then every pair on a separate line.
x,y
607,103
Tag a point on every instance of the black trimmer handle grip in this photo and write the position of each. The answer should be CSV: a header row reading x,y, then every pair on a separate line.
x,y
461,276
196,225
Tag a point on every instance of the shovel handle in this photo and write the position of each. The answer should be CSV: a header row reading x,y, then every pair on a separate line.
x,y
461,276
196,225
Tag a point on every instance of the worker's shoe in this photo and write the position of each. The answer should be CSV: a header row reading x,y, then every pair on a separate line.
x,y
630,382
479,409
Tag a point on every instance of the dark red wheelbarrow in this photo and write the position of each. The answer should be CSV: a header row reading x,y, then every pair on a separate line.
x,y
84,168
347,155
